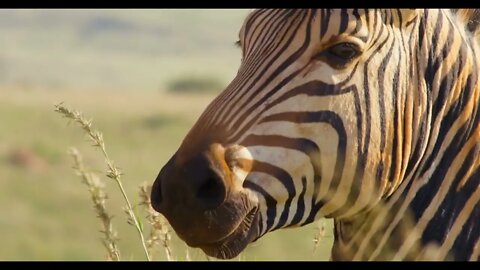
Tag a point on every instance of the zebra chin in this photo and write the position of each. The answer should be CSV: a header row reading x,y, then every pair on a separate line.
x,y
234,243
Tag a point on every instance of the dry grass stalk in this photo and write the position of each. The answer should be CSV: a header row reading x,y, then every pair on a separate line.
x,y
159,232
98,196
112,171
187,253
319,233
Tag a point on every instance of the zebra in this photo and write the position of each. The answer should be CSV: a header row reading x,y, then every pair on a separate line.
x,y
367,117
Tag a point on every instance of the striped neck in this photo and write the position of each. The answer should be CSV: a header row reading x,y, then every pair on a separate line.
x,y
436,201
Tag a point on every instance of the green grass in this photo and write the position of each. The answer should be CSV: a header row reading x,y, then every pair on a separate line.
x,y
117,49
47,213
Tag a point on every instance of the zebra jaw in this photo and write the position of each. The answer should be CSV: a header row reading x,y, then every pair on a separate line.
x,y
233,244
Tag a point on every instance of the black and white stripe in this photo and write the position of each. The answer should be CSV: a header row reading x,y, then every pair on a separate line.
x,y
388,146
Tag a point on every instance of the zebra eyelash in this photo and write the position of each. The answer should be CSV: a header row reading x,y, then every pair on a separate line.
x,y
237,44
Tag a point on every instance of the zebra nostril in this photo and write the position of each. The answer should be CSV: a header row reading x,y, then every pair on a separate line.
x,y
211,192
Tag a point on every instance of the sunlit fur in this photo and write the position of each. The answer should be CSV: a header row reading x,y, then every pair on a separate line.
x,y
388,146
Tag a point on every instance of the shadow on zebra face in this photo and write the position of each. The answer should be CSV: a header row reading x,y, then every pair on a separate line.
x,y
369,117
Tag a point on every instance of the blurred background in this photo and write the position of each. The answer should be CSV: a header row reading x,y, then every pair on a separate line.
x,y
144,77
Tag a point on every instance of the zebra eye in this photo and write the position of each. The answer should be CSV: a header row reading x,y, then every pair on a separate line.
x,y
339,55
345,51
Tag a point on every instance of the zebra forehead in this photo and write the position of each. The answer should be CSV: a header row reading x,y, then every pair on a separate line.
x,y
326,17
469,17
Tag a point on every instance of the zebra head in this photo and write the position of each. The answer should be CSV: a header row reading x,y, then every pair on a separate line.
x,y
317,123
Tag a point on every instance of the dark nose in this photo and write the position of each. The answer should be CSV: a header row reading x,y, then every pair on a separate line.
x,y
198,184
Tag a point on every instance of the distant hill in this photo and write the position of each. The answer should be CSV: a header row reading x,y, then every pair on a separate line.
x,y
130,49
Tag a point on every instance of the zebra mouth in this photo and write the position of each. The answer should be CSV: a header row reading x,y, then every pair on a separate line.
x,y
235,242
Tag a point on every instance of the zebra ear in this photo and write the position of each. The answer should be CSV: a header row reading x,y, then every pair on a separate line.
x,y
409,14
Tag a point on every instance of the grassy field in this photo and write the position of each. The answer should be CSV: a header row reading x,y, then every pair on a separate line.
x,y
114,65
121,49
47,213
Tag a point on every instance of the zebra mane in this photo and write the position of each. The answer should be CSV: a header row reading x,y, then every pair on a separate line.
x,y
471,20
